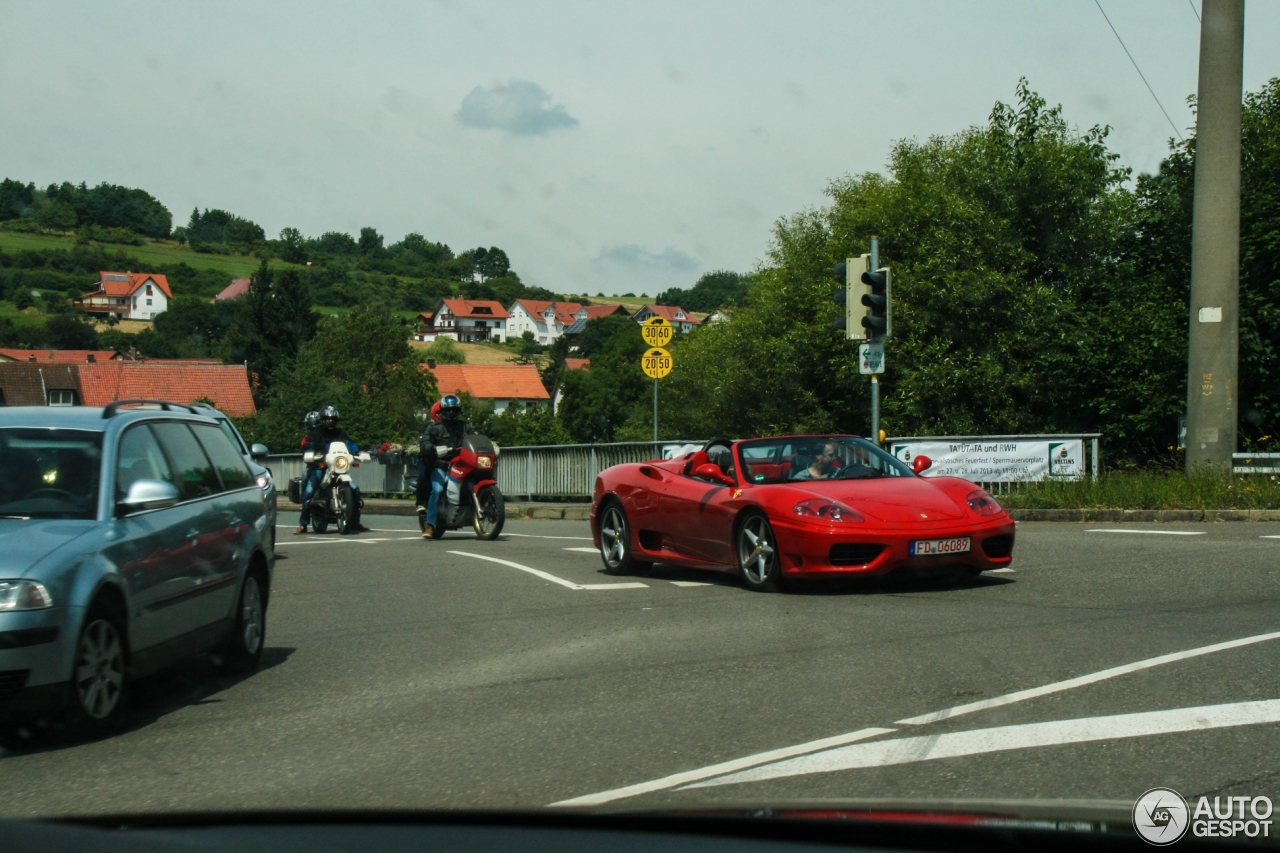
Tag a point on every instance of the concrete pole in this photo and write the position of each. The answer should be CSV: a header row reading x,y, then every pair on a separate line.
x,y
1213,348
875,380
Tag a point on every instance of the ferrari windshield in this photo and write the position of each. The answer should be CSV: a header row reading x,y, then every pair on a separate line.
x,y
49,473
820,457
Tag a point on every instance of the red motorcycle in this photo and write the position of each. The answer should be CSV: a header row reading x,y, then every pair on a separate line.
x,y
472,496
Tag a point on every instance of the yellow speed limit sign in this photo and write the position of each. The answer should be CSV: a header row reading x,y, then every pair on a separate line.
x,y
657,332
656,363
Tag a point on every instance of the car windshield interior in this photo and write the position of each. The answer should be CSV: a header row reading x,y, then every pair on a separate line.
x,y
49,473
840,457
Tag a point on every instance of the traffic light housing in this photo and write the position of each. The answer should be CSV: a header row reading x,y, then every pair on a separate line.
x,y
877,302
849,274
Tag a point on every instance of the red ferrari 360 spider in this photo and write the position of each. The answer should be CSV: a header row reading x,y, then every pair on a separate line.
x,y
773,509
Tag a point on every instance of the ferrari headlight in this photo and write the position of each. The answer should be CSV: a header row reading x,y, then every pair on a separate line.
x,y
828,511
24,595
981,502
484,461
341,464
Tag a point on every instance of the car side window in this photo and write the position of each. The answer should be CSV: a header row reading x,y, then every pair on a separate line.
x,y
229,431
196,477
227,460
139,458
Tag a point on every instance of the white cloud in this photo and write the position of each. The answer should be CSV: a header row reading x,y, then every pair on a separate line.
x,y
637,257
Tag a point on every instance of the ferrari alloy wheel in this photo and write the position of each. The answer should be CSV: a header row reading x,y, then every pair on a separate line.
x,y
615,542
758,553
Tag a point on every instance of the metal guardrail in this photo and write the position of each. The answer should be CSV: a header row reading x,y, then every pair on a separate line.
x,y
370,477
1249,468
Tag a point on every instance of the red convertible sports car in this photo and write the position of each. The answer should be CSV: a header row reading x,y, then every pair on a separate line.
x,y
800,506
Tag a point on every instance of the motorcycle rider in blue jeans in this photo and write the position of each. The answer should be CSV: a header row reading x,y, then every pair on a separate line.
x,y
320,435
447,433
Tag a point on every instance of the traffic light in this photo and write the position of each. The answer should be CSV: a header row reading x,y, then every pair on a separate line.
x,y
848,274
877,321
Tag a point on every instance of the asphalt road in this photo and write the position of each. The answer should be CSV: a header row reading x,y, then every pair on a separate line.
x,y
403,673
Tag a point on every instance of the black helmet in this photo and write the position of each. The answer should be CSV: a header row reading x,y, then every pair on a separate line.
x,y
329,415
313,420
450,407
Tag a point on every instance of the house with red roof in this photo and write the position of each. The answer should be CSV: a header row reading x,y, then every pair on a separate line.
x,y
58,356
127,295
549,320
98,383
465,320
499,384
237,288
681,320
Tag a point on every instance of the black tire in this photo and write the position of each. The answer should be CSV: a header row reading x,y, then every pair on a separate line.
x,y
346,508
438,531
243,652
422,522
615,542
99,672
493,513
757,553
318,526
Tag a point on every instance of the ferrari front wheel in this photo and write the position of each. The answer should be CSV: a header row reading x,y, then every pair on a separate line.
x,y
615,542
758,554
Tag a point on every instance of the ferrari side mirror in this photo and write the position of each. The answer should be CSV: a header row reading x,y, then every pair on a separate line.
x,y
920,463
711,471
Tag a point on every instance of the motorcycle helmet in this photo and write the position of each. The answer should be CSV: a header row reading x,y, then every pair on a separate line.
x,y
313,420
329,415
450,407
435,412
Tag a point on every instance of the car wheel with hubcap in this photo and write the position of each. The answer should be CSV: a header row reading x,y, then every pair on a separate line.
x,y
758,561
98,678
615,542
243,651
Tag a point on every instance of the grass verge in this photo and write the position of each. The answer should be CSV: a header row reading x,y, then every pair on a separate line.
x,y
160,253
1204,489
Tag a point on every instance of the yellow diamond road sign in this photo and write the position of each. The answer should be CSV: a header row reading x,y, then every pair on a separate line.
x,y
657,331
656,363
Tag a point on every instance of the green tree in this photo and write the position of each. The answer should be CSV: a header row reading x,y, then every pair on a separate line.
x,y
67,331
714,290
272,322
598,402
444,351
292,246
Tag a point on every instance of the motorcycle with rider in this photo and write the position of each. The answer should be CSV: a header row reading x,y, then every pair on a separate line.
x,y
457,476
328,493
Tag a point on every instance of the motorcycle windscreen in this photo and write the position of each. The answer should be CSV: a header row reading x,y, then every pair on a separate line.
x,y
477,443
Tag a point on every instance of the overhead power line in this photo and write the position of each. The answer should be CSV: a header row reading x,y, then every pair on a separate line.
x,y
1194,11
1139,70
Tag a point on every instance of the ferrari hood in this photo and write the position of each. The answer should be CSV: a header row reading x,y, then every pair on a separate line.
x,y
892,499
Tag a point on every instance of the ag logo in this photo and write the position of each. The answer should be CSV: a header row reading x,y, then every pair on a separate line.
x,y
1161,816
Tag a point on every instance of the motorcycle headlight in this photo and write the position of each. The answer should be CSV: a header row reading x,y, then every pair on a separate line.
x,y
484,461
24,595
821,509
341,464
981,502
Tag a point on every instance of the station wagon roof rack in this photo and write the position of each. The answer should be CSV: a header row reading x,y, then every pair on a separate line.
x,y
166,405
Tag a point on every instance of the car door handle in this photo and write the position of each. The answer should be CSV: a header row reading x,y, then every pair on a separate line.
x,y
193,534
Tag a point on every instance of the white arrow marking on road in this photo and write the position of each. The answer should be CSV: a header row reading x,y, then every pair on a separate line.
x,y
1161,532
719,769
1025,736
552,578
1081,681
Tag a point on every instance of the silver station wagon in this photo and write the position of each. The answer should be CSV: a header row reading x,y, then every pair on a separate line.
x,y
131,537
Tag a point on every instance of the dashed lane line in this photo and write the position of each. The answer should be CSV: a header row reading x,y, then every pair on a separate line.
x,y
537,536
550,577
1149,532
583,550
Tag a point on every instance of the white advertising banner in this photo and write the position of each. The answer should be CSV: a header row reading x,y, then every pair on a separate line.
x,y
996,460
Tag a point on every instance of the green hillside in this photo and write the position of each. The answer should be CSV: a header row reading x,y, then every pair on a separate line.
x,y
159,252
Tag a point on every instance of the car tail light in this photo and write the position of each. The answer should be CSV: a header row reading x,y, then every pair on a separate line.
x,y
981,502
821,509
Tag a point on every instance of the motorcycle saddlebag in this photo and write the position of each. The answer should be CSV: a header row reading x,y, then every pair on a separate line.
x,y
295,490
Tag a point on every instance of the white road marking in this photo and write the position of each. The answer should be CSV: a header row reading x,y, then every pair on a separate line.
x,y
719,769
691,583
549,577
535,536
1269,537
1001,571
1161,532
329,541
583,550
1002,738
1081,681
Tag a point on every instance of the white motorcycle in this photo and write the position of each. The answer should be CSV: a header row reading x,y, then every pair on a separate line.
x,y
334,501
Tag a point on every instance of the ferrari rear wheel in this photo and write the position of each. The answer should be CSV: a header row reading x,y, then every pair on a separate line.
x,y
758,554
615,542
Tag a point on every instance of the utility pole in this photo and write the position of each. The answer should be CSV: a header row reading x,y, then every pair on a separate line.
x,y
875,380
1213,344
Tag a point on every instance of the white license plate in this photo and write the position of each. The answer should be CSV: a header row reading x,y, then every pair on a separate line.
x,y
926,547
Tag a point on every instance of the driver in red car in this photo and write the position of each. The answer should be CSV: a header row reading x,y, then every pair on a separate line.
x,y
822,466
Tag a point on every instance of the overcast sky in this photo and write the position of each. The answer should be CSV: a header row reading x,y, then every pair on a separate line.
x,y
607,147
